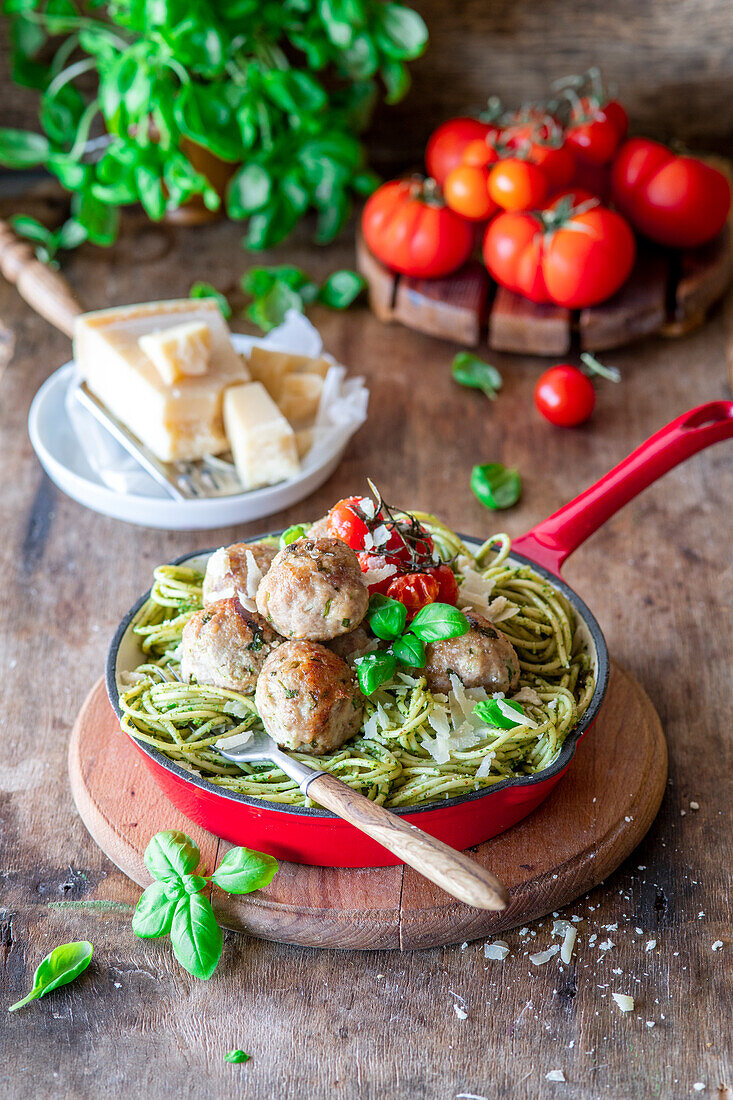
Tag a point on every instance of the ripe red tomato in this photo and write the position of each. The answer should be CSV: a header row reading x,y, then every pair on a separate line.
x,y
565,396
447,143
575,261
557,163
594,133
616,115
516,184
345,524
479,154
448,585
408,228
414,590
369,561
466,193
677,201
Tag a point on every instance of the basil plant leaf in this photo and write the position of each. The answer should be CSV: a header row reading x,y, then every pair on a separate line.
x,y
491,712
170,855
387,617
436,622
496,486
469,370
236,1057
243,870
60,967
153,914
375,669
19,149
196,938
410,651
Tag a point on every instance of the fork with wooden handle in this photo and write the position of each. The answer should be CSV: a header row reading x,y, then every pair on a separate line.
x,y
44,289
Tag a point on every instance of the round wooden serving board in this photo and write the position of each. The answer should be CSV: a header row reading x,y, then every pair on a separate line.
x,y
592,821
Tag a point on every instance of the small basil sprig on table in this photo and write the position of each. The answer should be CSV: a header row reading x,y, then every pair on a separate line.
x,y
496,486
236,1057
174,906
60,967
469,370
275,290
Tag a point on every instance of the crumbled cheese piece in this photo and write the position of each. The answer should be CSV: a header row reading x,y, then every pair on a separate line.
x,y
500,609
464,945
527,695
555,1075
180,351
262,441
544,956
611,927
694,805
376,576
651,944
498,950
300,396
566,948
624,1002
484,767
717,945
238,710
474,590
254,574
460,1012
639,931
617,970
650,1023
699,1086
511,714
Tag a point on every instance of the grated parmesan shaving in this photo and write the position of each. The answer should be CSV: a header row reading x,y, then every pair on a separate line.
x,y
497,950
512,715
376,576
484,767
236,742
544,956
555,1075
474,591
527,695
500,609
460,1012
624,1002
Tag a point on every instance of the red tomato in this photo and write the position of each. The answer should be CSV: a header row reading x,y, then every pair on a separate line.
x,y
448,585
513,254
466,192
408,228
557,163
616,115
414,590
369,561
345,524
594,132
516,184
677,201
479,154
565,396
447,143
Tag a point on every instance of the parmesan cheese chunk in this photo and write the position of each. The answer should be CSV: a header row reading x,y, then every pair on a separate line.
x,y
179,351
271,368
262,441
299,397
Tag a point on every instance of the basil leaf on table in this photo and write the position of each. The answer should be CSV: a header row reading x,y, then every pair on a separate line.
x,y
341,289
387,617
196,938
236,1057
469,370
153,914
491,712
60,967
436,622
410,651
243,870
374,670
170,855
496,486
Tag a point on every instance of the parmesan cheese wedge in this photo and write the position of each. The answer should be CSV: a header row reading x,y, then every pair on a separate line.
x,y
271,368
262,441
179,351
299,397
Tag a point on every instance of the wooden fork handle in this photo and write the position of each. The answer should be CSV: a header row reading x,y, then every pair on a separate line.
x,y
453,871
44,289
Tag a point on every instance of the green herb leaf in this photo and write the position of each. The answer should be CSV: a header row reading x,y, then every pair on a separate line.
x,y
297,531
243,870
99,219
249,190
170,855
270,310
386,617
469,370
58,968
192,884
341,289
206,290
236,1056
375,669
410,651
436,622
196,938
402,33
19,149
153,914
491,713
495,485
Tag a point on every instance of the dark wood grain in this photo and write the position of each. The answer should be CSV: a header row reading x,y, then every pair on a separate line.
x,y
518,325
453,308
638,309
369,1026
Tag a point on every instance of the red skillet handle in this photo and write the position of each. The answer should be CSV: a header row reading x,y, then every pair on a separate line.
x,y
553,540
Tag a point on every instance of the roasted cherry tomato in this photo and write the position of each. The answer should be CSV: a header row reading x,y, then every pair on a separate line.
x,y
467,193
447,143
414,590
407,226
677,201
448,590
516,184
369,561
565,396
345,524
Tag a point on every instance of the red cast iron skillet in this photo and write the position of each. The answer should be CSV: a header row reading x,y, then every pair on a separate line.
x,y
315,836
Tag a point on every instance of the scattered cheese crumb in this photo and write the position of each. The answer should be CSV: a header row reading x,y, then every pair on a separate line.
x,y
682,813
464,946
651,944
699,1086
639,931
544,956
460,1012
650,1023
617,970
717,945
694,805
624,1002
555,1075
498,950
606,945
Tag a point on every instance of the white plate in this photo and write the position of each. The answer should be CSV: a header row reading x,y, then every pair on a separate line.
x,y
63,460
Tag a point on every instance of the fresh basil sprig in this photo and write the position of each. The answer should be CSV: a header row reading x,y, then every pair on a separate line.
x,y
490,712
275,290
174,906
437,622
236,1057
60,967
469,370
386,617
496,486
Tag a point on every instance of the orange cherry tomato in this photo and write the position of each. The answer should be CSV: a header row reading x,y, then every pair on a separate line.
x,y
516,184
479,154
466,193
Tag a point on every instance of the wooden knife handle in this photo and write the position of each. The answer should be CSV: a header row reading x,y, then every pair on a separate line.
x,y
453,871
43,288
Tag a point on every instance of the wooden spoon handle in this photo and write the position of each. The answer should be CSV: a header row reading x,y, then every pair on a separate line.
x,y
453,871
43,288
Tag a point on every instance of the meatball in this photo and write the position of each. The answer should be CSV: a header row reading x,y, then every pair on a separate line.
x,y
226,645
308,698
236,571
314,590
353,644
482,657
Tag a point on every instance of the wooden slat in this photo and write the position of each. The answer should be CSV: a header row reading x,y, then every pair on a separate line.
x,y
452,308
518,325
381,281
638,309
704,276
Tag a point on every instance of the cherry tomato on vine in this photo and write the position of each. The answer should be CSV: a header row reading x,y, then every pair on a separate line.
x,y
368,561
516,184
446,144
479,154
414,590
345,524
407,226
565,396
466,193
557,163
448,585
594,132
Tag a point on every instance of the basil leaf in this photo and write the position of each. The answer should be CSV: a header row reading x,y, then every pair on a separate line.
x,y
100,220
196,938
269,311
170,855
236,1056
153,914
206,290
341,289
249,190
19,149
192,884
397,80
71,234
375,669
436,622
61,966
243,870
402,33
410,651
30,228
469,370
387,617
489,712
297,531
496,486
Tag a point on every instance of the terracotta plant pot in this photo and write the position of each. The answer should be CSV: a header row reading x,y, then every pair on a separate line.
x,y
217,171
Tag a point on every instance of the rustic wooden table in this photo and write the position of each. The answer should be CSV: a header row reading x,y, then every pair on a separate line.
x,y
325,1023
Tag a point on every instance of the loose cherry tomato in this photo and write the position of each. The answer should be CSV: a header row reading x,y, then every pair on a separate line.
x,y
466,192
447,143
345,524
407,227
565,396
448,585
479,154
677,201
516,184
414,590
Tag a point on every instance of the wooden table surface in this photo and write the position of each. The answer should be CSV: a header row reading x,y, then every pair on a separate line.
x,y
367,1025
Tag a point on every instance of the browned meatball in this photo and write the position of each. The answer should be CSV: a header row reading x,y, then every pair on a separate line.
x,y
483,657
308,698
225,645
235,570
355,642
314,590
